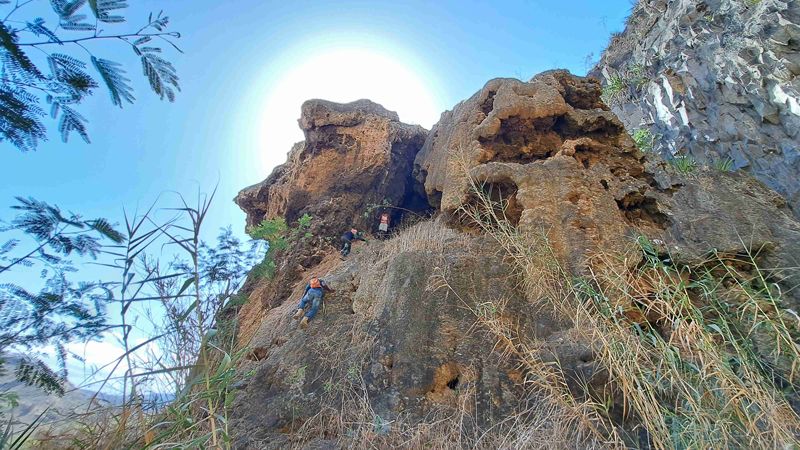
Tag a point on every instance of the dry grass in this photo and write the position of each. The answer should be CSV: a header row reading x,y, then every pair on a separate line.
x,y
703,356
429,236
348,418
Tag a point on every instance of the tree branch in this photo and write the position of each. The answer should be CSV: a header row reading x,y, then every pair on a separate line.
x,y
18,6
90,38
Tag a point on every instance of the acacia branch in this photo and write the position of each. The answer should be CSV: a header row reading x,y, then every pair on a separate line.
x,y
116,36
18,6
32,252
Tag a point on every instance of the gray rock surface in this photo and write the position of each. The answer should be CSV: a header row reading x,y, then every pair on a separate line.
x,y
714,79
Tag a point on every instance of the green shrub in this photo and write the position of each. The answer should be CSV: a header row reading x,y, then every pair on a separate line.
x,y
613,90
279,235
644,139
631,78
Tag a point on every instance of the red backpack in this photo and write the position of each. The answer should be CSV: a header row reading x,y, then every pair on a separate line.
x,y
315,283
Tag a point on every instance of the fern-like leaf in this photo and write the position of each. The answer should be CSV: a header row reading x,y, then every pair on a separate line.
x,y
34,372
65,9
105,228
69,71
20,122
102,10
76,23
117,84
161,74
15,55
72,121
37,27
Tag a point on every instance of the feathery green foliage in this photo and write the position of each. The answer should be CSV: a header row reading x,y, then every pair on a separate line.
x,y
63,83
62,311
279,235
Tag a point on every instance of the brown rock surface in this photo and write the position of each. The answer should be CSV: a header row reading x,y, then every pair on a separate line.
x,y
354,155
566,165
394,333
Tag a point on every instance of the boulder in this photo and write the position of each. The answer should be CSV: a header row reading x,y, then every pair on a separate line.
x,y
407,337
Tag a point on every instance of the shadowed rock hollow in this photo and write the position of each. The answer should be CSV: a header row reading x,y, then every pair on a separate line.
x,y
397,344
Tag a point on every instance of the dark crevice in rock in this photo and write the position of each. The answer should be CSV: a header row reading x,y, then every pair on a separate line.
x,y
453,383
435,199
640,210
503,195
488,104
328,137
522,141
592,124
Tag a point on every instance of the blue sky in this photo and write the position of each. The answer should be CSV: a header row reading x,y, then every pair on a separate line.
x,y
247,66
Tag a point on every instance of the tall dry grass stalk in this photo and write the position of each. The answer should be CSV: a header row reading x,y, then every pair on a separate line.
x,y
703,356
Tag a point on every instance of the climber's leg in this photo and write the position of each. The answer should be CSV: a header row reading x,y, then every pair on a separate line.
x,y
316,301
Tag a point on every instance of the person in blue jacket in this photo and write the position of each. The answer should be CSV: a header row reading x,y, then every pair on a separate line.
x,y
315,291
348,237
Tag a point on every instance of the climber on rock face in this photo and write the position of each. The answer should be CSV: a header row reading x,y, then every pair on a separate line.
x,y
347,239
383,227
315,291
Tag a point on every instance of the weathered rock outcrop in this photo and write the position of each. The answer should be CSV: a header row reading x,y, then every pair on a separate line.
x,y
397,341
565,164
389,331
354,155
714,79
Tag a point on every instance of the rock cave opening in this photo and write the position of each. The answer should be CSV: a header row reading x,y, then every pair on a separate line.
x,y
522,141
503,195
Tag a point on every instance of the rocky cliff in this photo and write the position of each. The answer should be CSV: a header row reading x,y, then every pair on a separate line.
x,y
469,329
354,155
713,79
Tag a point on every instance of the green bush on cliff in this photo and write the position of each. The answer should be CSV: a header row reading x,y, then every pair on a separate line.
x,y
279,235
644,139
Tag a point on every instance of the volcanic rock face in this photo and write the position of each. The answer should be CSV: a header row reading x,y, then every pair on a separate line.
x,y
714,79
565,164
399,332
391,331
354,155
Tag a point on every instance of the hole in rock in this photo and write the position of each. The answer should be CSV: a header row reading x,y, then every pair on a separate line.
x,y
503,196
590,124
453,383
404,192
522,141
640,210
488,105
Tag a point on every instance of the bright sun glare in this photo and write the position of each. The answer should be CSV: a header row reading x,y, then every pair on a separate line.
x,y
342,75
